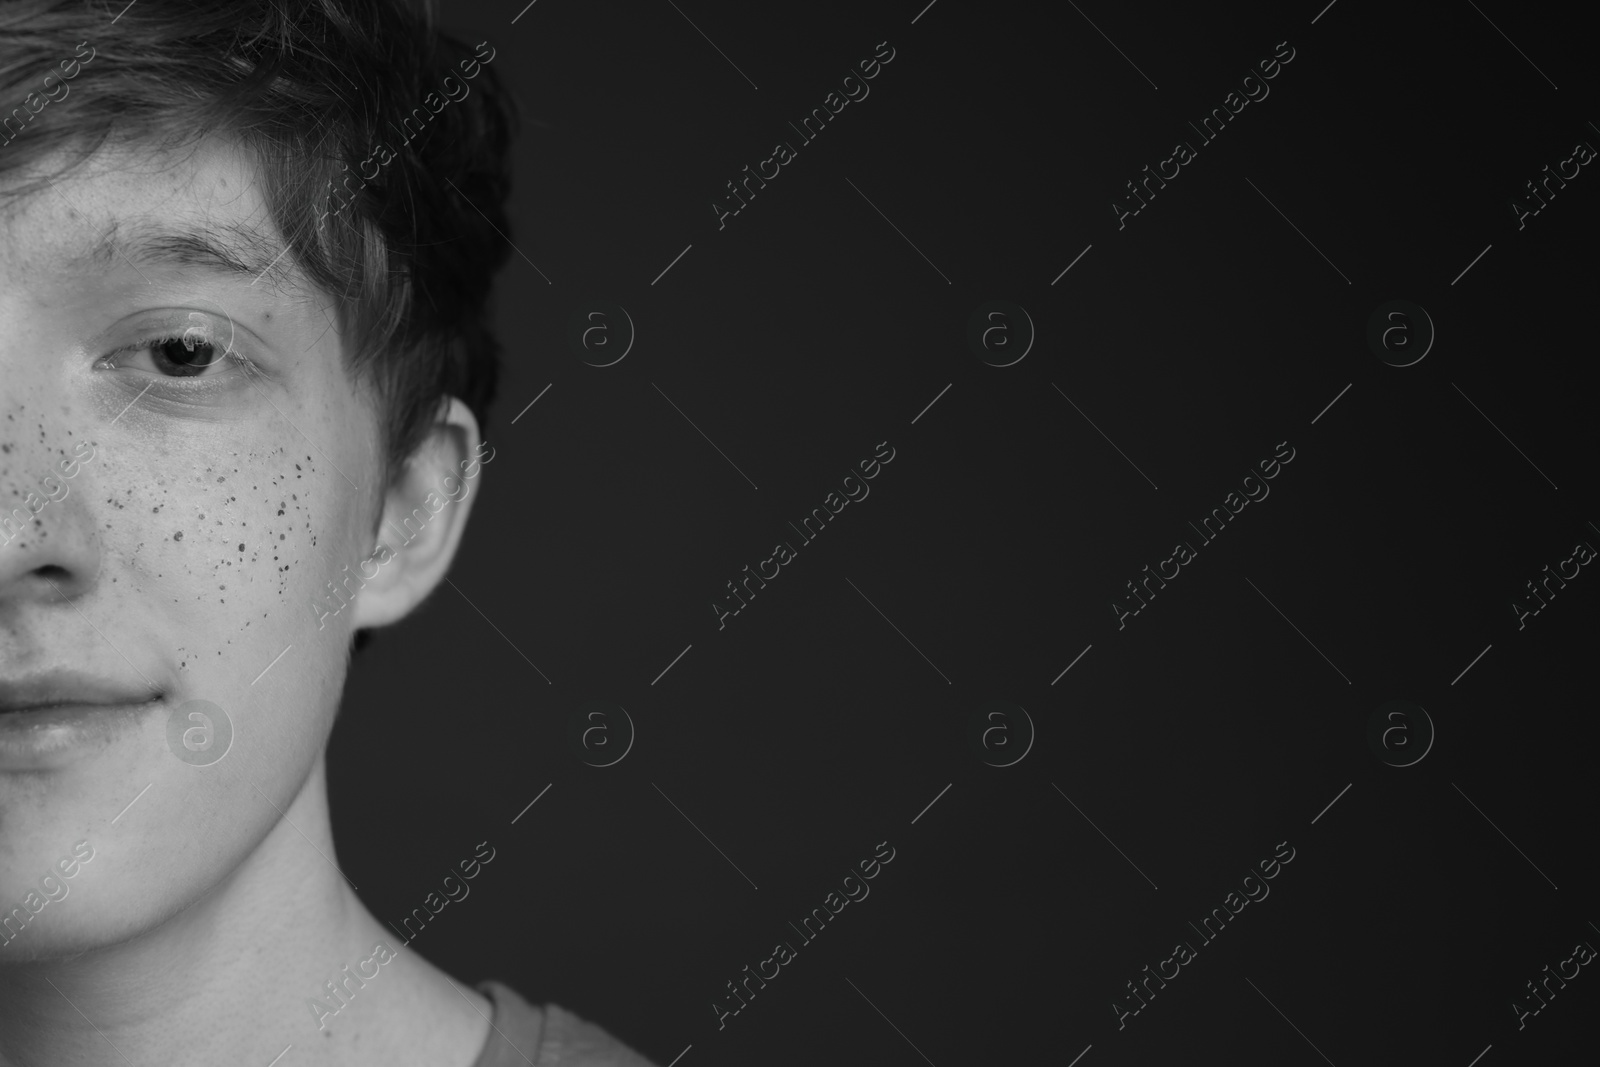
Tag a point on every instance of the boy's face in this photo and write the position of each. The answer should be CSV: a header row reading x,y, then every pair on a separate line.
x,y
179,515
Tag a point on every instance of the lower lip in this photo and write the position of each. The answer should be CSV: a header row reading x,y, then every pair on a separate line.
x,y
43,739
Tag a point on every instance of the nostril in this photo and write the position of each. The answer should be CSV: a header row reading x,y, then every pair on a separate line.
x,y
51,572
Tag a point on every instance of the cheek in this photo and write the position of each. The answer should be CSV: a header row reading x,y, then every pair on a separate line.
x,y
233,627
222,556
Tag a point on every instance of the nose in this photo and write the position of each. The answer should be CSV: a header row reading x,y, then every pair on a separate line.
x,y
48,547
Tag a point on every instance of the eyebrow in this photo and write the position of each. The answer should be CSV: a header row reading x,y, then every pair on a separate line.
x,y
226,249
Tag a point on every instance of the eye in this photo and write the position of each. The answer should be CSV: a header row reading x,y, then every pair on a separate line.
x,y
182,357
188,353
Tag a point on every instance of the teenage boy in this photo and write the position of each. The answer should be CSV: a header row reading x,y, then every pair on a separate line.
x,y
245,247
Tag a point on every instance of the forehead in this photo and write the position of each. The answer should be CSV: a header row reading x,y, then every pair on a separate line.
x,y
129,210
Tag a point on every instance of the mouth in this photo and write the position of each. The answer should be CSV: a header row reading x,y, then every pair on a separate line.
x,y
50,719
69,689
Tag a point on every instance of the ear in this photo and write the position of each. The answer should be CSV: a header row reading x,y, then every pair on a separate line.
x,y
424,513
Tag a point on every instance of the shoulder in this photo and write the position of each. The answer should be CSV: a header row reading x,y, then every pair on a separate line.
x,y
548,1036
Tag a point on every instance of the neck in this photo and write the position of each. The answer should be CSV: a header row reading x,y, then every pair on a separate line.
x,y
280,953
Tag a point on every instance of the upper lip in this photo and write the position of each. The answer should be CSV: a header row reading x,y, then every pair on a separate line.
x,y
63,687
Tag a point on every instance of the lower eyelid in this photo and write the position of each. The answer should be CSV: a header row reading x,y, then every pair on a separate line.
x,y
221,376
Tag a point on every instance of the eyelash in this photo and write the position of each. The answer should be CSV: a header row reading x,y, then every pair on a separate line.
x,y
243,363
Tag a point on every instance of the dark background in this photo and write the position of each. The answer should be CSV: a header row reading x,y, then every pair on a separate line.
x,y
1197,738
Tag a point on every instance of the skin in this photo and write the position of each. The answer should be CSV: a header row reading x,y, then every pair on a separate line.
x,y
212,909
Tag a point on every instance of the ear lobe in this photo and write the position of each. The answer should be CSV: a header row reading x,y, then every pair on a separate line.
x,y
421,523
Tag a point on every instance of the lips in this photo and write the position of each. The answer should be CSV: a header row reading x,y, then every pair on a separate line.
x,y
70,689
53,719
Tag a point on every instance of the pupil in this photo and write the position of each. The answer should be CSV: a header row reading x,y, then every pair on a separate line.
x,y
185,357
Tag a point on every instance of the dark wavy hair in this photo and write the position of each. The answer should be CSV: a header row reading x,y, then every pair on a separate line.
x,y
310,88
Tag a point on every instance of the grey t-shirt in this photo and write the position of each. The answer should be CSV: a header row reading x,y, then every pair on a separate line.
x,y
522,1035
